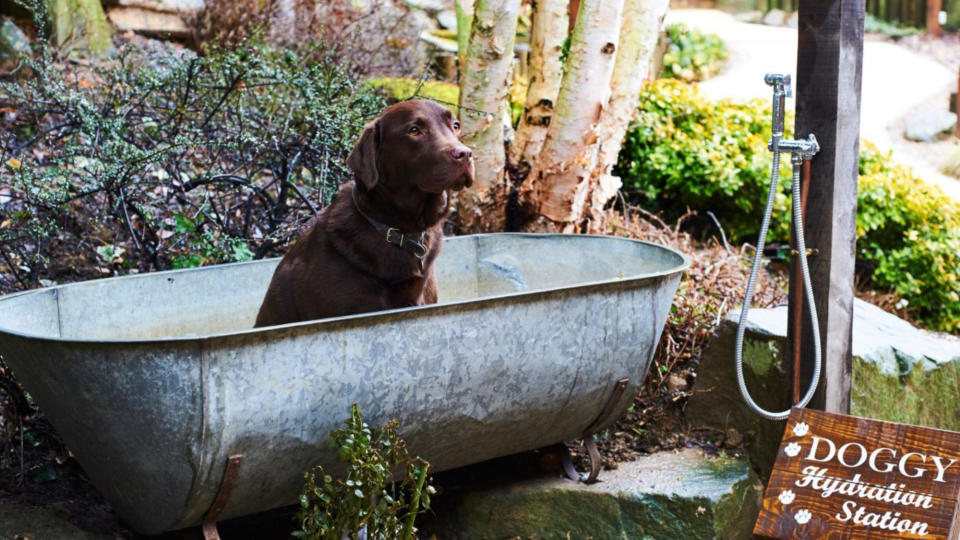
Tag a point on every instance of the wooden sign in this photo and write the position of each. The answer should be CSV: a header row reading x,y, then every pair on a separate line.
x,y
839,477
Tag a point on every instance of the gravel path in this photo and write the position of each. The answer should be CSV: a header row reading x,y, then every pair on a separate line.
x,y
896,80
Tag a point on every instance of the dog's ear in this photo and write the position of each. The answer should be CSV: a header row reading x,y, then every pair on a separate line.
x,y
363,159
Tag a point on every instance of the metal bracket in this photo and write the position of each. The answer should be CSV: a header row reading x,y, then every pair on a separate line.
x,y
567,461
226,488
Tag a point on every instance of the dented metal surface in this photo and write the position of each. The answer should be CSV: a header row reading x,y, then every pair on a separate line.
x,y
155,380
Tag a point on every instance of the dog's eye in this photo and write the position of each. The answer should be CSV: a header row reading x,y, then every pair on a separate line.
x,y
456,125
414,130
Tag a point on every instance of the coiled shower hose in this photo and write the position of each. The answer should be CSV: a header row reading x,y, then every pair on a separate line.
x,y
808,288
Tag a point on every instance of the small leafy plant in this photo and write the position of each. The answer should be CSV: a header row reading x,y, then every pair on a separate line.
x,y
693,55
369,502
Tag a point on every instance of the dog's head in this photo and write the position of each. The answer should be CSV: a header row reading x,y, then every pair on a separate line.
x,y
413,141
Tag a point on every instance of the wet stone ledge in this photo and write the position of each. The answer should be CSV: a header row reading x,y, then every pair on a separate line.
x,y
682,494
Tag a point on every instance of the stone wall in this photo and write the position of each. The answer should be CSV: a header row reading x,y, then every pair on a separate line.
x,y
900,373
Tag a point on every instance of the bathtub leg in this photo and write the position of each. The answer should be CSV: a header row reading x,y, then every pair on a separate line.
x,y
587,438
566,461
226,488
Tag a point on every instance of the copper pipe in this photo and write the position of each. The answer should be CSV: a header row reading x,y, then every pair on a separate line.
x,y
796,284
933,17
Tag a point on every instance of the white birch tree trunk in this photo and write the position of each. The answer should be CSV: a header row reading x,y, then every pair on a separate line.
x,y
557,187
485,80
550,25
642,22
464,11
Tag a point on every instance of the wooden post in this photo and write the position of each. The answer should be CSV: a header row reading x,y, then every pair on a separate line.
x,y
956,130
933,17
829,62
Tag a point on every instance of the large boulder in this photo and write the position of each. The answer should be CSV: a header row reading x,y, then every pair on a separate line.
x,y
665,495
83,23
775,17
926,123
147,21
13,43
165,18
900,373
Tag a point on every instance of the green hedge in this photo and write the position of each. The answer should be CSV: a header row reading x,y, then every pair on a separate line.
x,y
908,232
683,150
693,55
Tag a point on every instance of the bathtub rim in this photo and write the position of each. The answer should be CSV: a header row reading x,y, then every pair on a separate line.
x,y
336,321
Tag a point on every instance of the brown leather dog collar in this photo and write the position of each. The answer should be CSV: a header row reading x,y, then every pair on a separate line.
x,y
394,236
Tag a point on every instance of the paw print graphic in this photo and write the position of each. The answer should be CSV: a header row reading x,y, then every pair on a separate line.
x,y
787,497
802,516
801,429
792,449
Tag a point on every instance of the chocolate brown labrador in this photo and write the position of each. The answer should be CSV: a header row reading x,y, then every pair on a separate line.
x,y
374,246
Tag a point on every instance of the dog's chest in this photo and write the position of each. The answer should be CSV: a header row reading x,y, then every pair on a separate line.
x,y
409,292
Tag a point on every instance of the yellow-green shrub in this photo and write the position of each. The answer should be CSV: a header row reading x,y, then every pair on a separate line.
x,y
448,94
908,232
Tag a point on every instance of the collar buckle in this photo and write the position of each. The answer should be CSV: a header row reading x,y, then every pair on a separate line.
x,y
391,236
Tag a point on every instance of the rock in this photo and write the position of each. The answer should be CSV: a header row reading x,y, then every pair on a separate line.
x,y
665,495
775,17
430,6
928,122
13,43
898,372
445,45
793,20
676,383
716,402
165,6
447,19
82,22
147,22
753,16
21,521
733,438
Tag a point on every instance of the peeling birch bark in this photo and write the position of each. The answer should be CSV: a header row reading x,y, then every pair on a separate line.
x,y
642,22
557,187
484,87
550,23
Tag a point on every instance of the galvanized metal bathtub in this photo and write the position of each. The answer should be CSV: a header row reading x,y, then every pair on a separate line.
x,y
155,380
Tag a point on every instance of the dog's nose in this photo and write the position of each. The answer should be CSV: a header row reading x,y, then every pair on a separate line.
x,y
461,153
